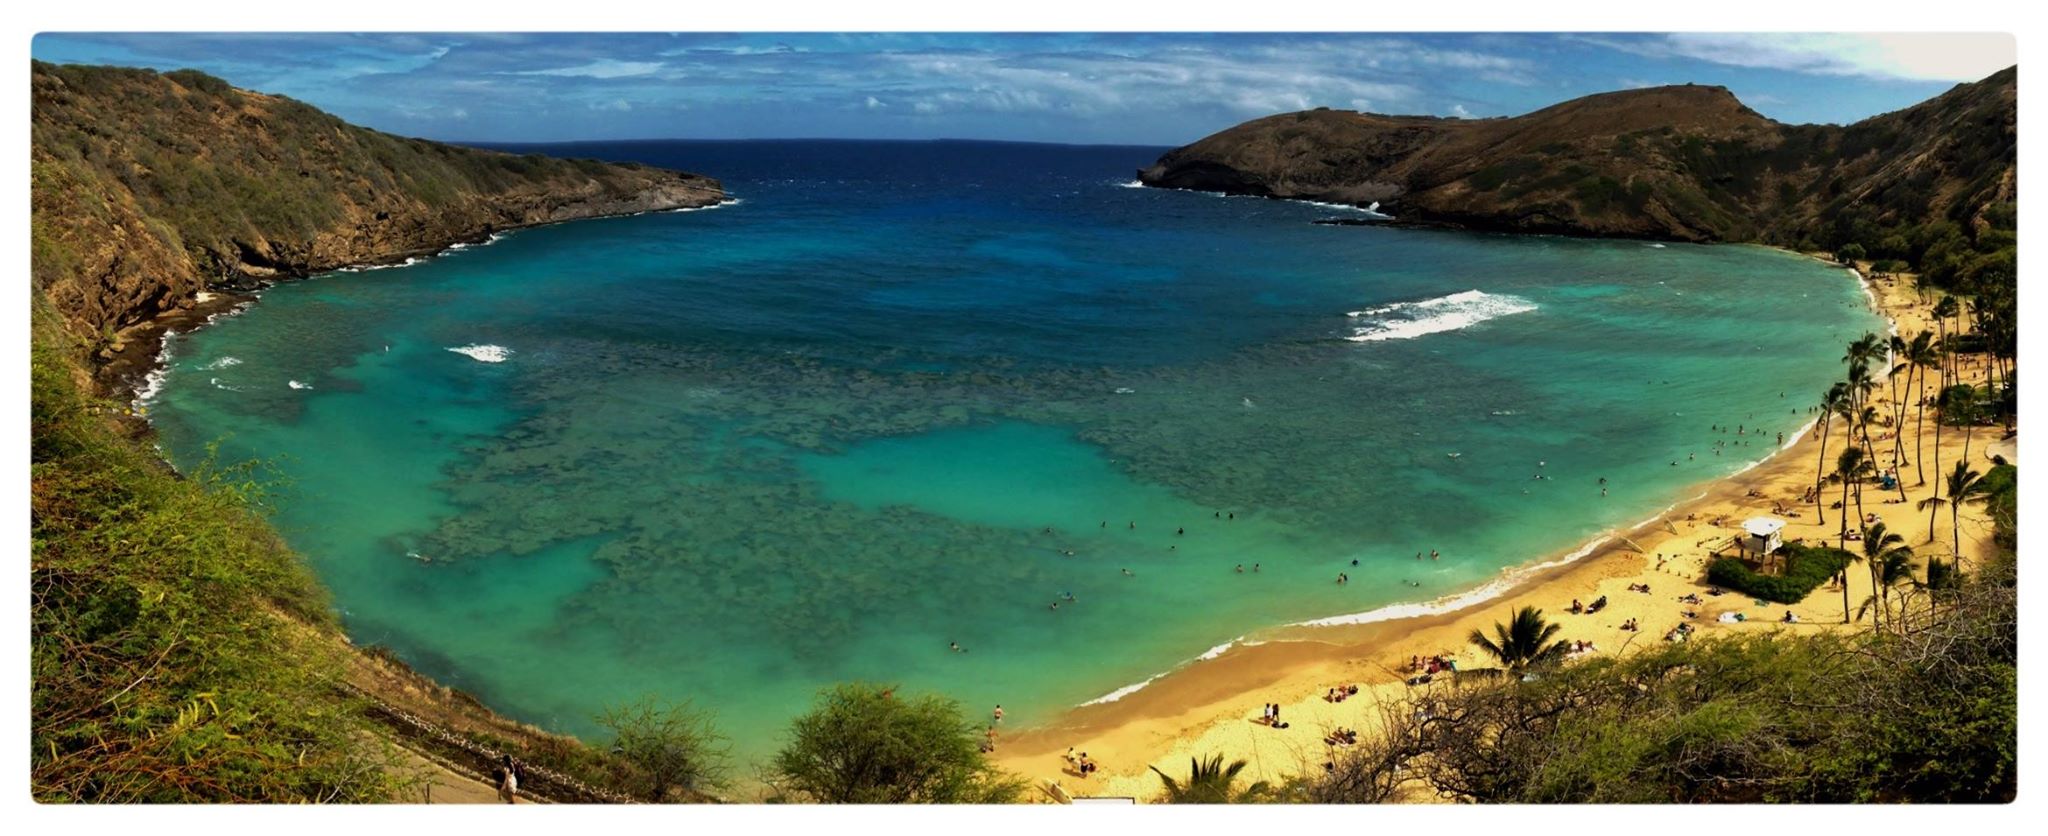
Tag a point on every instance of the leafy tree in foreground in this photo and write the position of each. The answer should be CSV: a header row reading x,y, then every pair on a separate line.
x,y
1210,782
664,747
1523,642
863,743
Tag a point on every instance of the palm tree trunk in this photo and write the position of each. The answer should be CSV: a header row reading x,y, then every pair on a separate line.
x,y
1820,517
1943,384
1920,427
1844,574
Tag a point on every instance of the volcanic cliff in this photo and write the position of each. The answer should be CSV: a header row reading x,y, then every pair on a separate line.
x,y
151,187
1686,162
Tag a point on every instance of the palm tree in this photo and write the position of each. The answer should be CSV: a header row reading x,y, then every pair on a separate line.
x,y
1900,352
1964,485
1210,782
1921,354
1833,402
1850,468
1523,642
1890,562
1865,349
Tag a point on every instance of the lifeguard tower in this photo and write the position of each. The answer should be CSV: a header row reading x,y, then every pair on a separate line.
x,y
1761,536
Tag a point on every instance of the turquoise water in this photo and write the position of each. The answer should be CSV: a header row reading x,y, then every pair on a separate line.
x,y
909,394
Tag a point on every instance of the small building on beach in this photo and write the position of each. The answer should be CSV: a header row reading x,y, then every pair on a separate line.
x,y
1761,536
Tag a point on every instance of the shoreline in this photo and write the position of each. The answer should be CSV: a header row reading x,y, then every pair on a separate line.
x,y
1204,706
1198,693
1514,578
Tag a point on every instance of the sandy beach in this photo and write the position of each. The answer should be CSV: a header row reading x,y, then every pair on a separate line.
x,y
1210,707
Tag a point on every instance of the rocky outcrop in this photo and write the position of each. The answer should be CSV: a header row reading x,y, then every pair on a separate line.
x,y
1686,163
151,187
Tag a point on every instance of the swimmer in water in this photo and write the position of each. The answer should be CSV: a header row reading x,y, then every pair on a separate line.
x,y
1240,568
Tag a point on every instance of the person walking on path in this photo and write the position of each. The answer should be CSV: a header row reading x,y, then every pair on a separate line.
x,y
509,773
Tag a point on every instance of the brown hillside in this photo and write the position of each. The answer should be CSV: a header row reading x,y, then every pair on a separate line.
x,y
149,187
1684,162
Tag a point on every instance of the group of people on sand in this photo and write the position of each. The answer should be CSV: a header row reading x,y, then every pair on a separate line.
x,y
1341,737
1340,693
1079,764
1639,587
1432,664
1599,604
1270,715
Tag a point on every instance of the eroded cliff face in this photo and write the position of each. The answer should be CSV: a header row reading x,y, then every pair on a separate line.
x,y
1686,162
151,187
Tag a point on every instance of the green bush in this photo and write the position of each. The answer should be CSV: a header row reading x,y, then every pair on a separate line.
x,y
1805,568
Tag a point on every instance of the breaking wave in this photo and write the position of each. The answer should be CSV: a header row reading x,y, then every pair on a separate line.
x,y
484,353
1408,320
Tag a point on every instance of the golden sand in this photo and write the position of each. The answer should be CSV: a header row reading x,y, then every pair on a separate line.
x,y
1210,707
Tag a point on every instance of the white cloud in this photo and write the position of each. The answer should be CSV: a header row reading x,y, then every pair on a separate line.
x,y
1928,56
619,105
601,68
876,104
1459,111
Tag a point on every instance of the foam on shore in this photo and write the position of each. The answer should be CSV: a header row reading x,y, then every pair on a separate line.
x,y
1205,656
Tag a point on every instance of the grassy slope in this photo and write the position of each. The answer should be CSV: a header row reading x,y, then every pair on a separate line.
x,y
163,662
180,651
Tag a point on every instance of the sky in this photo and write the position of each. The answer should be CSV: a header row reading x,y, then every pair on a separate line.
x,y
1140,89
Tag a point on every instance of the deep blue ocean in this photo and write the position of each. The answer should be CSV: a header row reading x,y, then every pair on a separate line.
x,y
898,396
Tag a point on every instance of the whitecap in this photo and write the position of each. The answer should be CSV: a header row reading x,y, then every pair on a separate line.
x,y
1124,390
1408,320
483,352
222,363
297,385
731,201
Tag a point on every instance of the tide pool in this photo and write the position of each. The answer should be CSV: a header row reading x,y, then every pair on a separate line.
x,y
903,395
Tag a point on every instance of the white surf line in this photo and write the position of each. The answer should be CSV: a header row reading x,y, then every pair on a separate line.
x,y
1205,656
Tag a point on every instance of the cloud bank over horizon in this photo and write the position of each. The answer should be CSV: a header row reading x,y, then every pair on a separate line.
x,y
1154,89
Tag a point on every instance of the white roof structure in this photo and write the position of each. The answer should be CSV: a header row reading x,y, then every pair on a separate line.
x,y
1763,526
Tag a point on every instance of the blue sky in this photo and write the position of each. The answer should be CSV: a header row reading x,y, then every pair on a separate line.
x,y
1157,89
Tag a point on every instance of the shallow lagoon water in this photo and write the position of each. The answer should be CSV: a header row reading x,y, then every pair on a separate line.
x,y
735,455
